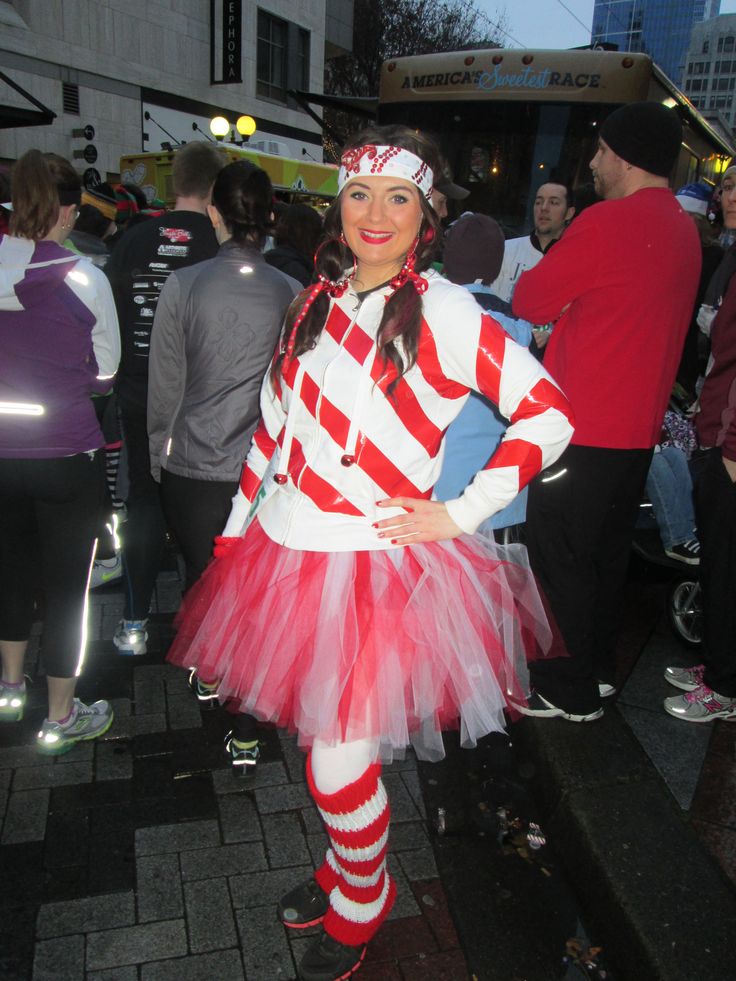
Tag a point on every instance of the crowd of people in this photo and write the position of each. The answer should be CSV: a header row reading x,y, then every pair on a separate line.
x,y
334,432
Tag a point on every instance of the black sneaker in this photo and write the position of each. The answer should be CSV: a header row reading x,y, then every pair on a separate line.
x,y
329,960
688,552
206,694
304,906
539,707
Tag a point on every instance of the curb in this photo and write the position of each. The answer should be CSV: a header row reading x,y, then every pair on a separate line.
x,y
654,892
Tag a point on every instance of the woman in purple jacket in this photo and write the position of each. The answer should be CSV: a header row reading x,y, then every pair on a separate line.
x,y
60,344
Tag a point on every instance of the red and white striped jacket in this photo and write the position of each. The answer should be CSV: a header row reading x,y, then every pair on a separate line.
x,y
343,444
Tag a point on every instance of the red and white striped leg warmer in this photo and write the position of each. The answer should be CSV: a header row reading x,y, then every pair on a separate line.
x,y
354,871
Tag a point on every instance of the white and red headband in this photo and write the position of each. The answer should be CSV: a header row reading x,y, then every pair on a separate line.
x,y
385,161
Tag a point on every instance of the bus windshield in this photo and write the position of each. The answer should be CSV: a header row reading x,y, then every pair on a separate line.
x,y
503,152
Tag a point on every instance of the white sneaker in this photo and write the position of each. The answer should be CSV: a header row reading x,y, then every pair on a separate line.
x,y
130,637
105,571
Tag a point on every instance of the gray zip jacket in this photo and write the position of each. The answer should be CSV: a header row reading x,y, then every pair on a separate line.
x,y
216,328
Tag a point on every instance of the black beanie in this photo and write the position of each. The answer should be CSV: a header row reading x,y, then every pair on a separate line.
x,y
646,135
473,250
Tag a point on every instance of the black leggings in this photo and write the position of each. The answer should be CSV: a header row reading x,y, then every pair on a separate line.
x,y
196,511
49,513
144,535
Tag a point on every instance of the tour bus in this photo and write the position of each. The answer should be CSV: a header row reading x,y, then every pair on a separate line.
x,y
509,120
293,180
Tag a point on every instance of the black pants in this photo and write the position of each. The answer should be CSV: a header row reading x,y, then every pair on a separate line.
x,y
716,512
49,513
145,530
580,521
196,511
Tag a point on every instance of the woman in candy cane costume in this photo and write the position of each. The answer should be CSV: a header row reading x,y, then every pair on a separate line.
x,y
344,602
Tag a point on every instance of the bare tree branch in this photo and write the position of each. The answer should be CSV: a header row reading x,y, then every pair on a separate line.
x,y
385,29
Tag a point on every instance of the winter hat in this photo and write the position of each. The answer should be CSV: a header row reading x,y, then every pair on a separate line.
x,y
645,134
156,208
107,206
126,204
694,198
473,249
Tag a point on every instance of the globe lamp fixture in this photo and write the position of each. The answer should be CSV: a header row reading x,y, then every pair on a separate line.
x,y
246,126
219,127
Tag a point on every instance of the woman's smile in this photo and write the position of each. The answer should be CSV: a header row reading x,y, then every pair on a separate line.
x,y
374,238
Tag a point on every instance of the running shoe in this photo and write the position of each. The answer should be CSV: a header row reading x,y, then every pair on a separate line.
x,y
688,679
243,756
206,693
12,701
106,571
130,637
85,722
304,906
701,705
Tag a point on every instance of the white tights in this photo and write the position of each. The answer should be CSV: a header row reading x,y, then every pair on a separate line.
x,y
335,767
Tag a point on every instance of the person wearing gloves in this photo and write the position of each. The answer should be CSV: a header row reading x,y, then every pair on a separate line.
x,y
352,607
60,345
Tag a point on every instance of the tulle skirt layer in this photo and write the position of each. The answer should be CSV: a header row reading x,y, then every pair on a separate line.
x,y
393,646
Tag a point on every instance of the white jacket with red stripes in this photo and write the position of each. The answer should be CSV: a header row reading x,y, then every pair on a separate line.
x,y
343,444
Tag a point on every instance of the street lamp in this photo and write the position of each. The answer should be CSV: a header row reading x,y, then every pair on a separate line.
x,y
246,126
219,127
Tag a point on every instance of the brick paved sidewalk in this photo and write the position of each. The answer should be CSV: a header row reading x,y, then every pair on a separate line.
x,y
143,858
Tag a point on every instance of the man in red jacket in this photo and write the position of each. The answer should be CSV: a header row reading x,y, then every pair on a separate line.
x,y
620,286
710,688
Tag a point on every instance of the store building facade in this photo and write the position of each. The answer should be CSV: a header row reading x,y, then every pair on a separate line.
x,y
123,76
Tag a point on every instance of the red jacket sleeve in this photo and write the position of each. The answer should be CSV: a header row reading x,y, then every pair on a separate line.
x,y
568,269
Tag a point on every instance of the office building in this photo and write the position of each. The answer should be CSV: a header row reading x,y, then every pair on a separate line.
x,y
710,69
659,28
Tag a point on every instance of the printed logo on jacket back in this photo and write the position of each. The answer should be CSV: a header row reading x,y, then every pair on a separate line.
x,y
175,234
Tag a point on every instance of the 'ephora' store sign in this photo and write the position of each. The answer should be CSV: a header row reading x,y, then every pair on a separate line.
x,y
226,41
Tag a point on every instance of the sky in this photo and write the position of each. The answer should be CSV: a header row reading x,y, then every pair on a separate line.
x,y
547,24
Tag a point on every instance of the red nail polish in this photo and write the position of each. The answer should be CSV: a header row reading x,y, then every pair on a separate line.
x,y
410,510
374,525
394,541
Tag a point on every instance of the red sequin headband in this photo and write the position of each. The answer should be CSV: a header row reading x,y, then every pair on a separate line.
x,y
385,161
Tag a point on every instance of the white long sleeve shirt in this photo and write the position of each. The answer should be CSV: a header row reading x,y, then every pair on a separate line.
x,y
343,444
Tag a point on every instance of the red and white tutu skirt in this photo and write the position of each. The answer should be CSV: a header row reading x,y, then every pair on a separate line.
x,y
393,645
